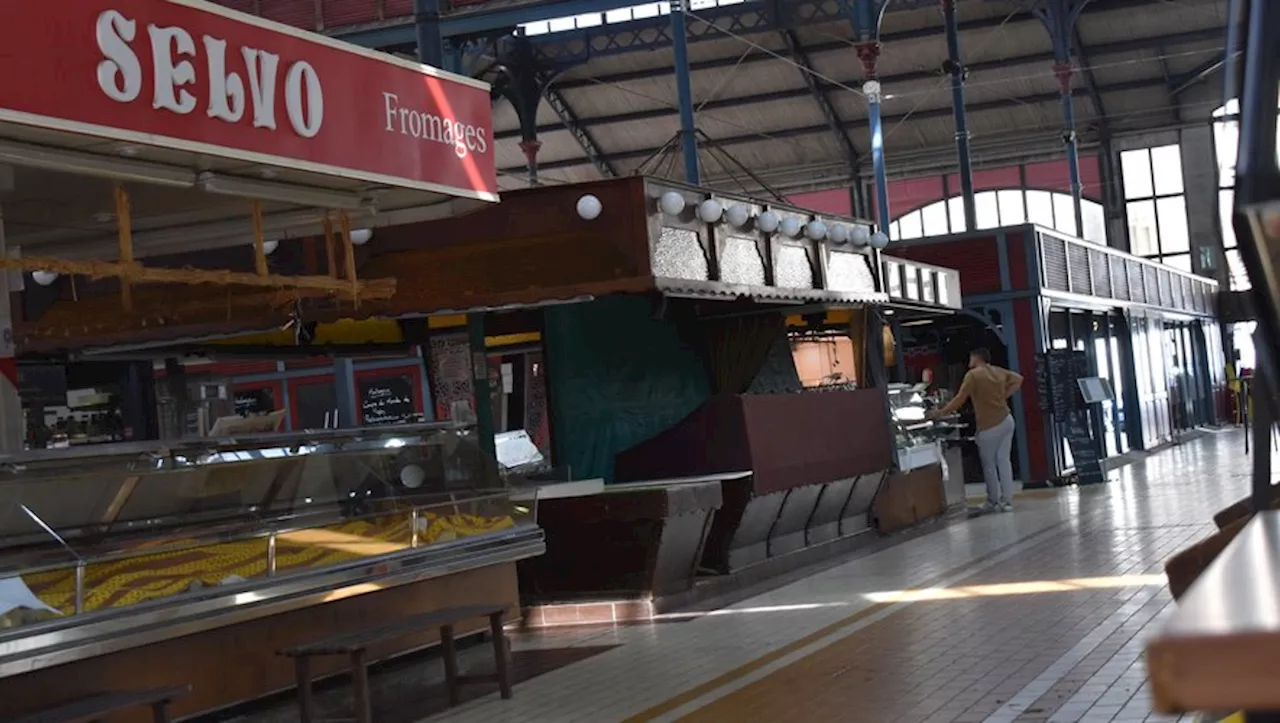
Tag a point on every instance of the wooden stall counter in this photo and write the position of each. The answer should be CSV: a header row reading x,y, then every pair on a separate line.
x,y
612,555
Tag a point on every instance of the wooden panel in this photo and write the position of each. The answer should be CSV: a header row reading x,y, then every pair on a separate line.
x,y
908,498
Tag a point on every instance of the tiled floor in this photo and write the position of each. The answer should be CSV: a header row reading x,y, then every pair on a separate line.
x,y
1038,615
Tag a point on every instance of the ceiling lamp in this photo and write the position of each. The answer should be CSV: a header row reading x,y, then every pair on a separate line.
x,y
815,230
738,215
361,236
44,278
710,211
790,226
671,203
589,208
269,247
860,235
839,234
879,240
767,222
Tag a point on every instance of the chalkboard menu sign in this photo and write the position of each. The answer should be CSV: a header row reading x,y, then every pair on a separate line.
x,y
387,400
1044,390
254,401
1084,450
1062,368
43,385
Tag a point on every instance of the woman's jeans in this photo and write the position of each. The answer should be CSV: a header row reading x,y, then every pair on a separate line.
x,y
995,447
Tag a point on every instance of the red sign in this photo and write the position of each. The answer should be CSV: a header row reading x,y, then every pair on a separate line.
x,y
193,76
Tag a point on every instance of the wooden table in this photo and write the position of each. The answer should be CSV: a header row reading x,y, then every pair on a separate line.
x,y
1221,649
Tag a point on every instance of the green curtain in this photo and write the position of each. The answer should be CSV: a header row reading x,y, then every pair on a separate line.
x,y
617,376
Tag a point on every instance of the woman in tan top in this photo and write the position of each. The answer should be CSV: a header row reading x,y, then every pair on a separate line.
x,y
989,387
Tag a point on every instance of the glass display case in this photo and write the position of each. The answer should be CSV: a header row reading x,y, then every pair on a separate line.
x,y
98,544
916,437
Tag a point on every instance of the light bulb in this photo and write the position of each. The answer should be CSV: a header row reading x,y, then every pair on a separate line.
x,y
815,230
860,235
589,207
879,240
767,222
738,215
671,203
839,234
269,247
790,226
44,278
710,211
361,236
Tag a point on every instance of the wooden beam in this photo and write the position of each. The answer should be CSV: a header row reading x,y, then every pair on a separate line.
x,y
331,254
259,245
373,289
124,233
349,254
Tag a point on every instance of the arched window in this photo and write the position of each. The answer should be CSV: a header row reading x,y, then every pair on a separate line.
x,y
1226,143
1006,207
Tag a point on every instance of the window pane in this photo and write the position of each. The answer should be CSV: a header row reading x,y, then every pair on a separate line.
x,y
1142,227
935,219
1040,208
895,231
909,226
955,209
1064,213
1178,261
1166,165
1226,200
1136,169
1226,144
1174,236
1011,211
1235,266
1095,222
988,213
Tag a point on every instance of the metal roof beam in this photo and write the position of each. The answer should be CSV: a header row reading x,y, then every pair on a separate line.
x,y
583,136
1181,83
1102,49
751,17
894,80
943,112
819,94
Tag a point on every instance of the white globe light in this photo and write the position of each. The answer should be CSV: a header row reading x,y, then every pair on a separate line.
x,y
710,211
589,207
44,278
790,226
738,215
815,230
767,222
879,240
269,247
412,476
839,234
860,235
671,203
361,236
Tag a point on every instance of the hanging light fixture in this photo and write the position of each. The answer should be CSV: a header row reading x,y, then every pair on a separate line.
x,y
879,240
767,222
839,234
738,215
710,211
589,207
815,230
671,203
361,236
44,278
790,226
860,235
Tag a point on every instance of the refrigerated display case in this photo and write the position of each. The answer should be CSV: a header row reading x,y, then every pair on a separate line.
x,y
121,546
918,439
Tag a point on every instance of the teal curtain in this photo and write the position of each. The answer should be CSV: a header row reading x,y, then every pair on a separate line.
x,y
617,376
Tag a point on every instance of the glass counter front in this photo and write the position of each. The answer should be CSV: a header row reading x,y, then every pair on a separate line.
x,y
136,527
916,437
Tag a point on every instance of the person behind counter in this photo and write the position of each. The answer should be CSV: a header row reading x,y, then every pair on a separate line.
x,y
990,388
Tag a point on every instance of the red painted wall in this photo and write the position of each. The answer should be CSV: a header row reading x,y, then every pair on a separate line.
x,y
834,201
976,258
1037,442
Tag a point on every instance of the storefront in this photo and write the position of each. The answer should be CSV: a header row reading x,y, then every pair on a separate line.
x,y
1147,329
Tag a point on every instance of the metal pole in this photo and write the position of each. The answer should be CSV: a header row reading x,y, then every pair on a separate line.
x,y
1065,69
962,122
426,18
872,89
684,92
480,381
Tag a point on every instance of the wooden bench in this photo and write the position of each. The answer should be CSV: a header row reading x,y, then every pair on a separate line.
x,y
1220,651
357,644
97,707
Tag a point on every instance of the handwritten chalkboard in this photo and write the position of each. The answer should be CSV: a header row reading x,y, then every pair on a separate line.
x,y
387,400
1084,449
1064,368
254,401
1044,390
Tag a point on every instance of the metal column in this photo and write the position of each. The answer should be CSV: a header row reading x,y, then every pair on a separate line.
x,y
426,19
12,428
1059,18
957,71
348,396
684,92
865,16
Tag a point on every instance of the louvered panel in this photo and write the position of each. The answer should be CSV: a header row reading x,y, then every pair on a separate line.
x,y
1165,279
1078,264
1151,285
1179,291
1119,280
1137,290
1054,253
1188,294
1101,274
